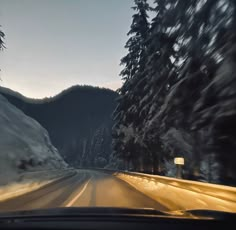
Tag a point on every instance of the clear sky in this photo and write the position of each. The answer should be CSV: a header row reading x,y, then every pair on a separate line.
x,y
54,44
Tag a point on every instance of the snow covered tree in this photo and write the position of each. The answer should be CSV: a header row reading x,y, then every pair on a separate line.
x,y
215,109
159,70
180,72
199,39
180,101
125,143
2,36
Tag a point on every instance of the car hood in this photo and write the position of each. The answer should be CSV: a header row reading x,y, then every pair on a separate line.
x,y
118,212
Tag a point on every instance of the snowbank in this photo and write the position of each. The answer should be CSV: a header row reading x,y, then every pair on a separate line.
x,y
24,145
30,181
177,194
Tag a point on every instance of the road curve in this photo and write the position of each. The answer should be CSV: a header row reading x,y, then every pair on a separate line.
x,y
88,188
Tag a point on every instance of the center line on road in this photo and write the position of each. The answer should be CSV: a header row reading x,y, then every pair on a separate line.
x,y
78,195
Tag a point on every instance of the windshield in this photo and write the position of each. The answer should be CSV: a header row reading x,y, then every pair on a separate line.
x,y
118,104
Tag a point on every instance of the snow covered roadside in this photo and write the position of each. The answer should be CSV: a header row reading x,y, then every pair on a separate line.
x,y
28,160
28,182
178,194
24,145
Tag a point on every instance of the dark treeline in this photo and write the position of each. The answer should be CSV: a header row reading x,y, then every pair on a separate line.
x,y
179,91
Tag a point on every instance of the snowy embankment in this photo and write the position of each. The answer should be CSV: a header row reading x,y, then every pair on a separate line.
x,y
28,160
178,194
31,181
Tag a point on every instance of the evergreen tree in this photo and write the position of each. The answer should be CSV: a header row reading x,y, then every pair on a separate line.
x,y
215,109
159,70
199,38
125,115
178,70
180,100
2,36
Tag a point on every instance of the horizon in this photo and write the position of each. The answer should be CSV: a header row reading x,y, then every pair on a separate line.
x,y
17,93
74,43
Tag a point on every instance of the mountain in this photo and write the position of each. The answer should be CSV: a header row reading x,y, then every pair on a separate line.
x,y
24,144
78,121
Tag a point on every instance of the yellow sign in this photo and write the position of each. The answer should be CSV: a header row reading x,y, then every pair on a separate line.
x,y
179,160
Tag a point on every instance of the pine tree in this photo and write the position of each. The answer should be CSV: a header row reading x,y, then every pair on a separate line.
x,y
200,27
180,100
215,109
125,115
159,70
2,36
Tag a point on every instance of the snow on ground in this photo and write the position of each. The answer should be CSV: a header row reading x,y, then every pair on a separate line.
x,y
28,160
177,194
30,181
24,145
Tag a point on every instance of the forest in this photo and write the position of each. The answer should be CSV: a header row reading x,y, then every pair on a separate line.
x,y
179,90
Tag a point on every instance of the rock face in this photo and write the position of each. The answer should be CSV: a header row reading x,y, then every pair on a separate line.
x,y
24,144
78,120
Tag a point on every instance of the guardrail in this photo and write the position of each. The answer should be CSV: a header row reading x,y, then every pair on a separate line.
x,y
219,191
216,190
182,194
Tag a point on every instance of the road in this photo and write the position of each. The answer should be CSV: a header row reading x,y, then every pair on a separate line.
x,y
87,188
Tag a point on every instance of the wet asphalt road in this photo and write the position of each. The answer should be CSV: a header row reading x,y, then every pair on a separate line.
x,y
87,188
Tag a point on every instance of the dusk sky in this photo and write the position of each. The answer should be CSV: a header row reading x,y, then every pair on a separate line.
x,y
54,44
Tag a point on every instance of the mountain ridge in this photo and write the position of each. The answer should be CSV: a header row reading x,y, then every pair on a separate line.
x,y
5,90
78,120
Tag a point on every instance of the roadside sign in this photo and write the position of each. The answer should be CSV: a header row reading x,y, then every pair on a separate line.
x,y
179,160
